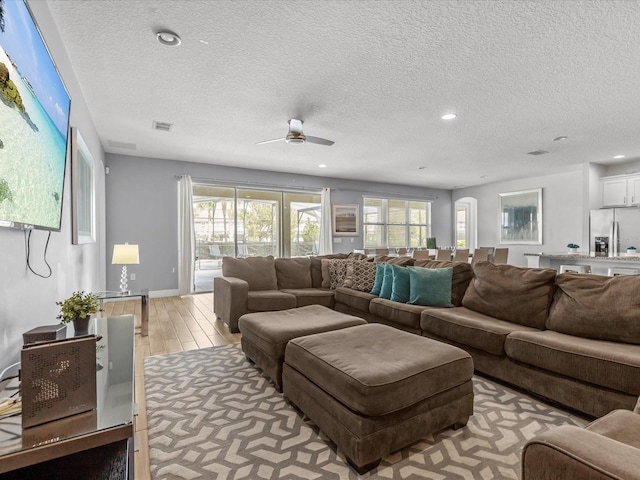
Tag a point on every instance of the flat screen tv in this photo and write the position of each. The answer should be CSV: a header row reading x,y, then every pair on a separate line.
x,y
34,124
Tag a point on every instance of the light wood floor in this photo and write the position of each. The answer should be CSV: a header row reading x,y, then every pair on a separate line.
x,y
175,324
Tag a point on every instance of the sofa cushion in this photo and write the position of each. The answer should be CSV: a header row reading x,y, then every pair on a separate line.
x,y
430,286
377,282
399,284
354,299
403,261
516,294
293,272
608,364
599,307
316,267
361,275
468,327
460,278
258,272
311,296
404,315
267,300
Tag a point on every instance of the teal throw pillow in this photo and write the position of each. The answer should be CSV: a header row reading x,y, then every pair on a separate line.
x,y
430,286
387,282
400,284
377,283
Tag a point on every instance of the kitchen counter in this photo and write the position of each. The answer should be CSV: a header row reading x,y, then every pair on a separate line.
x,y
599,265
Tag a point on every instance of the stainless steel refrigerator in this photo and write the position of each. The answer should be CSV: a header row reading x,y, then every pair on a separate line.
x,y
613,230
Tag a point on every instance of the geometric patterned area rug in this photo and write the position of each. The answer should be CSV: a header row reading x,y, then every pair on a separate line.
x,y
212,415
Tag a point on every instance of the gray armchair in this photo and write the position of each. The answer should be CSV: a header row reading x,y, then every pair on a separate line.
x,y
608,448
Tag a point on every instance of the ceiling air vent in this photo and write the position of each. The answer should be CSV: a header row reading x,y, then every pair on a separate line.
x,y
537,152
162,126
125,145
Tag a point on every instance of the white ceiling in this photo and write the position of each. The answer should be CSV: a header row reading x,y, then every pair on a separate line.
x,y
374,76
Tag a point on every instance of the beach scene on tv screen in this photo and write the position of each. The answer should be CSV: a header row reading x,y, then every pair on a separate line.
x,y
34,119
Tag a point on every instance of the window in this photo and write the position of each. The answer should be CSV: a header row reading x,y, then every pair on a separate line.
x,y
396,223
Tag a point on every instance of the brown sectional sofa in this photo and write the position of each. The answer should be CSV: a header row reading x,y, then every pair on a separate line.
x,y
264,284
572,338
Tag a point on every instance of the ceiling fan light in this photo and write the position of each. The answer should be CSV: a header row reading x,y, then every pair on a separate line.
x,y
295,140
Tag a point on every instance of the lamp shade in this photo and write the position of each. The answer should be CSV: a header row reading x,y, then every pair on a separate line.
x,y
125,254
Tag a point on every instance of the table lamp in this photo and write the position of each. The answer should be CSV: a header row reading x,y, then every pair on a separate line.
x,y
125,255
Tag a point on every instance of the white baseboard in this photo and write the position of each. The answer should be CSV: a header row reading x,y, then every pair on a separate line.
x,y
163,293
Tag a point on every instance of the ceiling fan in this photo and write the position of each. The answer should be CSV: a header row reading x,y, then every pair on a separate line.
x,y
295,135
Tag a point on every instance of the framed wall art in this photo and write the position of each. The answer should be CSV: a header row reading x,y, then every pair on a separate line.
x,y
83,200
520,219
345,220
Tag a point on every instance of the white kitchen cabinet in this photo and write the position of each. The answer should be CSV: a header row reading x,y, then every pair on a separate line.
x,y
620,191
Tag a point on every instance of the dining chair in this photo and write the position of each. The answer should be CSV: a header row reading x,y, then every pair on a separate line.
x,y
420,254
402,251
461,255
443,254
500,255
382,251
480,255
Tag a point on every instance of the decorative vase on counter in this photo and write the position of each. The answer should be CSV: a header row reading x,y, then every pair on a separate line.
x,y
81,325
573,248
632,251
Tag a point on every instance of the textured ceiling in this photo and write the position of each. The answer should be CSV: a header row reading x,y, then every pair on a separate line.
x,y
374,76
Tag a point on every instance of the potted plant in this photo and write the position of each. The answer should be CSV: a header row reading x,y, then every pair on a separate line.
x,y
78,309
631,250
573,247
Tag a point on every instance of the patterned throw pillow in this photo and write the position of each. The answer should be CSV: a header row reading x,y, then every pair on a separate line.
x,y
361,275
337,272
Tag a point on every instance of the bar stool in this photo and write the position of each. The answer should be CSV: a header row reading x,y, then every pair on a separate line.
x,y
615,271
575,268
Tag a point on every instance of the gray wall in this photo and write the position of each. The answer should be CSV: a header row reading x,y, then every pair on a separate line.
x,y
28,301
565,211
142,209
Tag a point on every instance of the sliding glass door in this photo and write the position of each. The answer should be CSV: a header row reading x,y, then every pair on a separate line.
x,y
243,222
258,223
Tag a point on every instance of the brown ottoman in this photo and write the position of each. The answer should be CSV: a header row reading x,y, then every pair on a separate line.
x,y
374,389
265,334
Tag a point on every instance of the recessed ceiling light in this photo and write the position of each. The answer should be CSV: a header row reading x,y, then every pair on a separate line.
x,y
557,139
322,165
618,157
168,38
448,116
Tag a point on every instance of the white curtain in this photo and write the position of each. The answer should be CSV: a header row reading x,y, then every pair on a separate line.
x,y
326,245
186,237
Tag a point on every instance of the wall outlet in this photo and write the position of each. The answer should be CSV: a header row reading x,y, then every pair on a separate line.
x,y
133,276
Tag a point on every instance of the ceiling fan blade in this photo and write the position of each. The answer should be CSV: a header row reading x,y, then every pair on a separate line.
x,y
271,141
319,141
295,125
